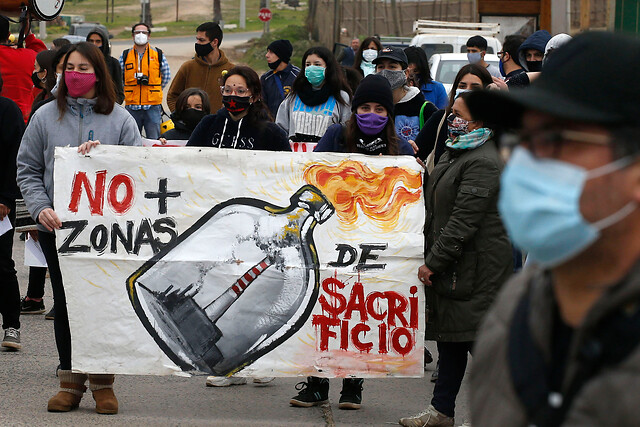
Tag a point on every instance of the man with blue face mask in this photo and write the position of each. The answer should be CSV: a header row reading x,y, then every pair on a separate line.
x,y
476,50
562,344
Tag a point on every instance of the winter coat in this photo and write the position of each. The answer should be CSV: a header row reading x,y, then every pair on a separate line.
x,y
333,142
435,93
467,246
46,131
198,73
220,130
12,127
272,93
537,41
610,398
16,67
113,65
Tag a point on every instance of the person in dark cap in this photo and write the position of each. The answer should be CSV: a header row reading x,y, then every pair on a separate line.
x,y
476,50
410,105
277,82
561,346
100,38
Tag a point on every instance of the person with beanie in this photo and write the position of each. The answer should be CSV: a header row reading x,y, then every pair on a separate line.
x,y
100,39
277,82
204,70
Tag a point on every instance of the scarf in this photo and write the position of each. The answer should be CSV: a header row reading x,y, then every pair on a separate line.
x,y
312,97
471,140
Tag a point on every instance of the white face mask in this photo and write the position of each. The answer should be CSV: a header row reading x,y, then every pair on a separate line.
x,y
140,39
369,54
54,90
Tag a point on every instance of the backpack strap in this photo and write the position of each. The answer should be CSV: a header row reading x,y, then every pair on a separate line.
x,y
422,113
125,53
160,56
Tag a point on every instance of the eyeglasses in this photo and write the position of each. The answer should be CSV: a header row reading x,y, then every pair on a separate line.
x,y
141,32
500,54
547,142
228,90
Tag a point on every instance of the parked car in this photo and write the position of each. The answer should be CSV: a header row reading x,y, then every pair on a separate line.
x,y
79,32
451,37
445,66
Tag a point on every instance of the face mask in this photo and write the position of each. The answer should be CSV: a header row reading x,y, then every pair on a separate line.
x,y
54,91
79,84
396,78
474,57
539,204
534,66
501,66
369,54
36,81
236,104
457,126
191,117
459,91
275,64
314,74
371,123
203,50
140,39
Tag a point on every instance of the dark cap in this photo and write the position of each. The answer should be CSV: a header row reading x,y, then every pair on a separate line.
x,y
590,79
393,53
374,88
282,49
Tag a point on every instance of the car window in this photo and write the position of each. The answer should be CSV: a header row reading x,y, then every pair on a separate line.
x,y
447,70
431,48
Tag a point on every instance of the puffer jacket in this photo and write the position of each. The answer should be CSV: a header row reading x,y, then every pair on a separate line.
x,y
467,246
610,398
538,41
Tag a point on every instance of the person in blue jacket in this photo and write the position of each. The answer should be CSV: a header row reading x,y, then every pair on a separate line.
x,y
277,82
419,75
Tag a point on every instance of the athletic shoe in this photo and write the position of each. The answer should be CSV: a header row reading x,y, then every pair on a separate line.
x,y
311,393
429,418
51,315
29,306
351,394
428,357
11,339
225,381
263,380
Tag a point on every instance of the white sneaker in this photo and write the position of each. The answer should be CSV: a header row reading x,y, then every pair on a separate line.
x,y
429,418
263,380
225,381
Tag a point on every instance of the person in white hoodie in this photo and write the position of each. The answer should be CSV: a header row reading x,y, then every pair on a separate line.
x,y
83,115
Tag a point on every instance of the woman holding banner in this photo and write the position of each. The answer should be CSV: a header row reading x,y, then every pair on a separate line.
x,y
467,252
84,115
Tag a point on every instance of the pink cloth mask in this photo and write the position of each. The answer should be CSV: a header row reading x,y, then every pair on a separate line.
x,y
78,83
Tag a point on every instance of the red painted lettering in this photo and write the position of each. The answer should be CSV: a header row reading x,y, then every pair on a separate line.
x,y
397,306
121,206
397,345
325,323
96,198
356,302
355,337
330,286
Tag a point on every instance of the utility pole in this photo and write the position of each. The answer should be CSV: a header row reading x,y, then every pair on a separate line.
x,y
177,8
336,21
243,14
370,25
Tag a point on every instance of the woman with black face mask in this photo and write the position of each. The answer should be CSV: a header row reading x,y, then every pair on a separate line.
x,y
191,106
244,122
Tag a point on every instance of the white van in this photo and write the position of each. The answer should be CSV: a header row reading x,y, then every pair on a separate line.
x,y
451,37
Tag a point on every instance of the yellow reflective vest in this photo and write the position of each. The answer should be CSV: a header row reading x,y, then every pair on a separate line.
x,y
142,94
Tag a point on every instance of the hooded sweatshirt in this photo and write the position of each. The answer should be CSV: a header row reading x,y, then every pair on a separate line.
x,y
112,63
46,131
537,41
407,113
221,131
198,73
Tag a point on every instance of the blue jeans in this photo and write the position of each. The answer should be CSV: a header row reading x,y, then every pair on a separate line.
x,y
453,363
149,119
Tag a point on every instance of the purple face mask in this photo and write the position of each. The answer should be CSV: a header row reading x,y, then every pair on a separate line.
x,y
370,123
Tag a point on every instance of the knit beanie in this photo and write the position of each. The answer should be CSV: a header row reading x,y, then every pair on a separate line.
x,y
374,88
282,48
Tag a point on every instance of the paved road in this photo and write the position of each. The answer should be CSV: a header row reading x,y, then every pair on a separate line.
x,y
27,381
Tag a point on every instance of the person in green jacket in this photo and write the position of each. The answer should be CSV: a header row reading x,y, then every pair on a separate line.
x,y
467,256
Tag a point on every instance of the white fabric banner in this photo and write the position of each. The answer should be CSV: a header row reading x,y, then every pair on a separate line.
x,y
247,262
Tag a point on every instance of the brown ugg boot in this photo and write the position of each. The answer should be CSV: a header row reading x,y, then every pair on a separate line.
x,y
101,386
71,390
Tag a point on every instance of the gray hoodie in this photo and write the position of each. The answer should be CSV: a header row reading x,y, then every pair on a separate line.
x,y
46,131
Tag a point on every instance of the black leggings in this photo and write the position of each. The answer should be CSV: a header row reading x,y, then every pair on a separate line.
x,y
9,289
61,319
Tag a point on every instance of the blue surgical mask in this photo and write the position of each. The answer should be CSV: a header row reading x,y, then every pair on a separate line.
x,y
540,206
314,74
474,57
501,66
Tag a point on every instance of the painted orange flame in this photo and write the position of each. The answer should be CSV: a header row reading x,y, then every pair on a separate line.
x,y
380,195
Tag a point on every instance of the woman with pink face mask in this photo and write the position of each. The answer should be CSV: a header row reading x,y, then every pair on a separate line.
x,y
84,115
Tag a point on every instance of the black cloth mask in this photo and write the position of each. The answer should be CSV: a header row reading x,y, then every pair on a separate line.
x,y
203,50
236,104
36,81
275,64
534,66
191,117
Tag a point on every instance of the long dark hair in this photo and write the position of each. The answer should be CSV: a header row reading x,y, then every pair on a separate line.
x,y
353,132
363,46
474,69
45,61
181,102
257,112
105,89
416,56
333,75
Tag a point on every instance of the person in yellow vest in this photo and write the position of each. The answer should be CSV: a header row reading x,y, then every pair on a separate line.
x,y
204,70
145,72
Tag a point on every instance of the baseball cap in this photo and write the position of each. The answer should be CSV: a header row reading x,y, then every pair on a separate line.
x,y
393,53
590,79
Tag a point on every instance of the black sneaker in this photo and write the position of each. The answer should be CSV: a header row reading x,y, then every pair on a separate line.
x,y
11,340
351,394
29,306
428,357
314,392
51,315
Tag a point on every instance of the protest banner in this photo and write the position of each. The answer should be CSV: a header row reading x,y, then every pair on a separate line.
x,y
241,262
